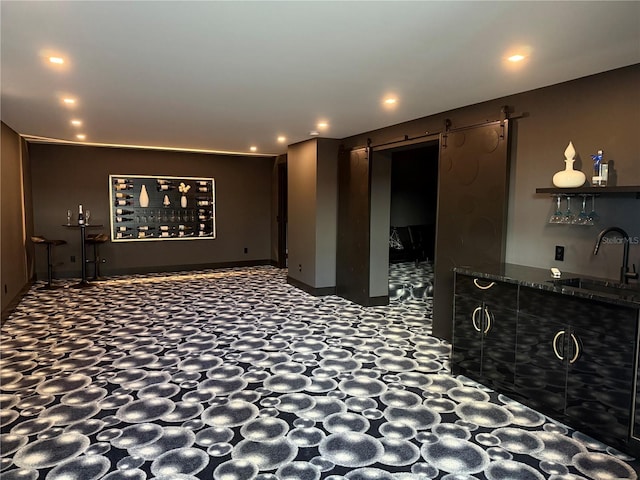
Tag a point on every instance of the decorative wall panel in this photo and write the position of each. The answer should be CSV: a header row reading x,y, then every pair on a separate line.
x,y
146,208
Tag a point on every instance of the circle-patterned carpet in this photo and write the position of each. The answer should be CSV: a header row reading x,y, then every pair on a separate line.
x,y
236,375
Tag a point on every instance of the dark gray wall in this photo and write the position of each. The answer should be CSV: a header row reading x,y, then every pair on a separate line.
x,y
379,222
14,269
596,112
302,194
312,198
65,176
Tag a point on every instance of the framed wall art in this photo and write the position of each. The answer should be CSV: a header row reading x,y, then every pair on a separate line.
x,y
152,208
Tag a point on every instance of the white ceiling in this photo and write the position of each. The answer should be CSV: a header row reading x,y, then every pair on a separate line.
x,y
227,75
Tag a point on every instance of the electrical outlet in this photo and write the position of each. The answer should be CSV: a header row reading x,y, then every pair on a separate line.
x,y
559,253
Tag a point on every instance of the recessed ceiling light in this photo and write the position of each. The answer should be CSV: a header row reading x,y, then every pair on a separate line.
x,y
253,149
56,60
282,139
81,136
390,101
323,124
314,133
516,58
76,123
69,101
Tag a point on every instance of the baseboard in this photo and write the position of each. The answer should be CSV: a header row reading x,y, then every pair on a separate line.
x,y
316,292
365,301
106,273
378,301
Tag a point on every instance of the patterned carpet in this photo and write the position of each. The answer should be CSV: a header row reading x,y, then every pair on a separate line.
x,y
236,375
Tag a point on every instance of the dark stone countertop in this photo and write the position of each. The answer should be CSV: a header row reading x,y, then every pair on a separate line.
x,y
583,286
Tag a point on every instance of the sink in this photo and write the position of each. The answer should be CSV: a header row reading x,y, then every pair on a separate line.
x,y
601,286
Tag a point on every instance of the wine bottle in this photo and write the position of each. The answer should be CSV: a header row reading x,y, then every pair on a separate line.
x,y
122,211
120,180
123,195
123,219
203,183
123,203
185,234
204,234
80,215
184,227
122,228
124,186
166,234
164,187
145,228
162,181
145,235
203,189
164,228
124,235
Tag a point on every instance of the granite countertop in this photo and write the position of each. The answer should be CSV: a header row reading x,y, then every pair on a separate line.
x,y
577,285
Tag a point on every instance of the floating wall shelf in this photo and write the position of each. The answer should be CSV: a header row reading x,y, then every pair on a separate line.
x,y
624,190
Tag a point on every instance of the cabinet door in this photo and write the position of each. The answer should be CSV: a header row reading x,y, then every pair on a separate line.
x,y
600,384
499,345
541,369
466,354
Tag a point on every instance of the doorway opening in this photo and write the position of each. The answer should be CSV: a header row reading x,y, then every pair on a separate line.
x,y
414,198
412,220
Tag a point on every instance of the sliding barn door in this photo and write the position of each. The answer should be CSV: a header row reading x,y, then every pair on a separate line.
x,y
352,257
472,209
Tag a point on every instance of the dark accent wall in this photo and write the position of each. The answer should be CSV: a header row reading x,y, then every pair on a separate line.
x,y
65,176
597,112
14,269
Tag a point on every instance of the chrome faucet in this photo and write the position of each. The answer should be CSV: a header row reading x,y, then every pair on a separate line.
x,y
625,273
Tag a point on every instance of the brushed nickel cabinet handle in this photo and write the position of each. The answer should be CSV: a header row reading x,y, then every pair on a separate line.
x,y
555,344
474,319
577,353
483,287
488,316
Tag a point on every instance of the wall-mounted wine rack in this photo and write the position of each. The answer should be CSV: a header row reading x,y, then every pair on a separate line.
x,y
173,208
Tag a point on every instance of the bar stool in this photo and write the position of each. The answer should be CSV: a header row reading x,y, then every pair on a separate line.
x,y
96,239
39,240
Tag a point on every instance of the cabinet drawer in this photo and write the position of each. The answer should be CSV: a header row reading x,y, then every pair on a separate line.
x,y
496,294
580,312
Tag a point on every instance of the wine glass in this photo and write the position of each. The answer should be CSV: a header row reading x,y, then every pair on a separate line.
x,y
568,216
69,215
557,215
582,218
87,215
593,215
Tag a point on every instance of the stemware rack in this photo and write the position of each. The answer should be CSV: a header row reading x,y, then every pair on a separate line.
x,y
579,216
165,211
